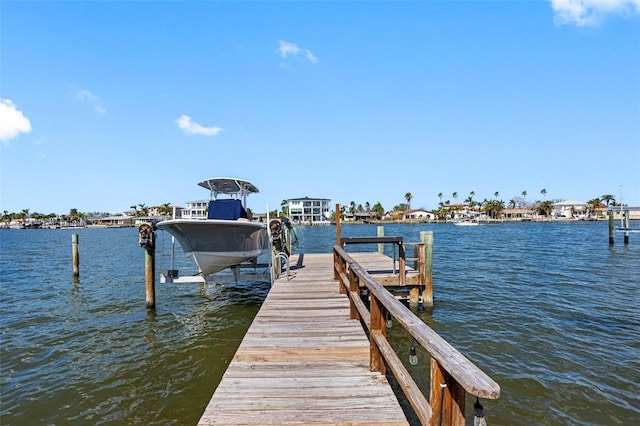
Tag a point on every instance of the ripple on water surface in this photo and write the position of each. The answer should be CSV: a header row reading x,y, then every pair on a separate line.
x,y
547,310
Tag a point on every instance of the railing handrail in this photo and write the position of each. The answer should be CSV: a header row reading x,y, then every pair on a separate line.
x,y
461,369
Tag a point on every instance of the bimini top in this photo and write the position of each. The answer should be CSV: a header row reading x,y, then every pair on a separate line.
x,y
227,185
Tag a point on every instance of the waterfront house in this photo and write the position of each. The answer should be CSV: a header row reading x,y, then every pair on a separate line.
x,y
195,210
420,215
569,209
310,211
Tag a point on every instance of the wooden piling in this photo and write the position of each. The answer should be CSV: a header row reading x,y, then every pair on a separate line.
x,y
426,237
611,227
338,224
147,240
414,296
76,256
150,277
626,226
381,234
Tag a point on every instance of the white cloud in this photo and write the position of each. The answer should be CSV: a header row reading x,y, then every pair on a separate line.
x,y
12,121
88,97
287,49
190,127
585,13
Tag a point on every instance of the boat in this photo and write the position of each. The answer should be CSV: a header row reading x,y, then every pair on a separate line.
x,y
465,223
226,238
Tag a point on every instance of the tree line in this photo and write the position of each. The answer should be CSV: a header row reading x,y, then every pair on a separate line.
x,y
493,208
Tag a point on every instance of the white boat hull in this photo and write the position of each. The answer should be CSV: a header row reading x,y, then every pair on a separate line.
x,y
215,245
465,223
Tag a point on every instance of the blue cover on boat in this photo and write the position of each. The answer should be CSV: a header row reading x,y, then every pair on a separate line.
x,y
226,209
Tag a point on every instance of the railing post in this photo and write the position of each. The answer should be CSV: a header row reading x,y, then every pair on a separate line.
x,y
447,398
380,232
354,286
378,325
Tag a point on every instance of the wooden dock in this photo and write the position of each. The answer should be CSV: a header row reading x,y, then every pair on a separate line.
x,y
303,361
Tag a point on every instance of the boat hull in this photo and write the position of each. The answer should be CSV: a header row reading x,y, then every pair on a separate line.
x,y
215,245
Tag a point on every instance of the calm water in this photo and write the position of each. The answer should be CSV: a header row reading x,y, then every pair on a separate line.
x,y
548,310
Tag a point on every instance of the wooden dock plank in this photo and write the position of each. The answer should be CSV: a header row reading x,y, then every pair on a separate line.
x,y
304,362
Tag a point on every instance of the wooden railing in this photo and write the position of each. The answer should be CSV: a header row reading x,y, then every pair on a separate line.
x,y
452,374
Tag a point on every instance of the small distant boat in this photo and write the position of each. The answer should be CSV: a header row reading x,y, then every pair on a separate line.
x,y
227,237
467,222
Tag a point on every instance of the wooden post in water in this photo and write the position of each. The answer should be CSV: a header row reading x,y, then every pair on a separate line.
x,y
426,237
610,227
381,234
626,225
76,256
147,240
338,224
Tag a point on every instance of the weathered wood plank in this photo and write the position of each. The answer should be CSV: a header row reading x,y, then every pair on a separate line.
x,y
304,361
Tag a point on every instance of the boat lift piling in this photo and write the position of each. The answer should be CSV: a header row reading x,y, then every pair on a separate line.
x,y
147,240
625,226
76,257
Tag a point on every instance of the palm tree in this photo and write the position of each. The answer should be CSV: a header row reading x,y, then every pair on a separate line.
x,y
408,197
524,199
593,204
545,208
352,208
455,197
493,208
543,192
608,198
378,210
367,206
496,194
440,196
165,209
144,210
283,206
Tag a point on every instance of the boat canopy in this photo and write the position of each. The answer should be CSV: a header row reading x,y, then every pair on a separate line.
x,y
227,185
226,210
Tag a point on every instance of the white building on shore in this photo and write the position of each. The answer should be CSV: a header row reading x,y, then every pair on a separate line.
x,y
309,211
569,208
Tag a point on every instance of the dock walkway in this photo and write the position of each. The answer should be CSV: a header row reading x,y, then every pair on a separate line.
x,y
303,361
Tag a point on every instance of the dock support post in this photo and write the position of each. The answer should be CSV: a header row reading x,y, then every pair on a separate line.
x,y
147,240
381,234
626,226
426,237
76,256
610,227
338,224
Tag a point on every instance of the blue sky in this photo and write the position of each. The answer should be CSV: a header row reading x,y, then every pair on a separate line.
x,y
109,104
